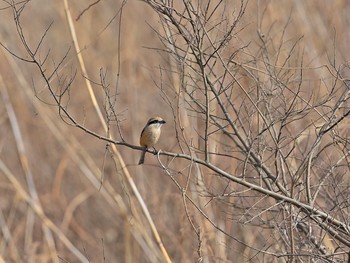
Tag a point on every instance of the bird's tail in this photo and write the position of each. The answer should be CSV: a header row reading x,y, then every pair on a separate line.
x,y
142,157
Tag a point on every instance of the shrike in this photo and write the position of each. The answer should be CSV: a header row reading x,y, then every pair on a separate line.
x,y
150,135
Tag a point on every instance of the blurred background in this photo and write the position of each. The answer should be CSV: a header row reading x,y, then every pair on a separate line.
x,y
41,157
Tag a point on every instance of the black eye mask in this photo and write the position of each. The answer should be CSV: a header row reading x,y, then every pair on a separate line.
x,y
156,121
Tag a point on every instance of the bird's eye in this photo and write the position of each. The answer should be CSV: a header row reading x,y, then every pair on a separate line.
x,y
153,122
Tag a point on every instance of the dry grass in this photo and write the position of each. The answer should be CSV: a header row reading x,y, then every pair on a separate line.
x,y
52,206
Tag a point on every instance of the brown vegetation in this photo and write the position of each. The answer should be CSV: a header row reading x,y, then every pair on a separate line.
x,y
254,157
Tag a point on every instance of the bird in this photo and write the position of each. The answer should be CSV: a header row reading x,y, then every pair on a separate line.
x,y
150,135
